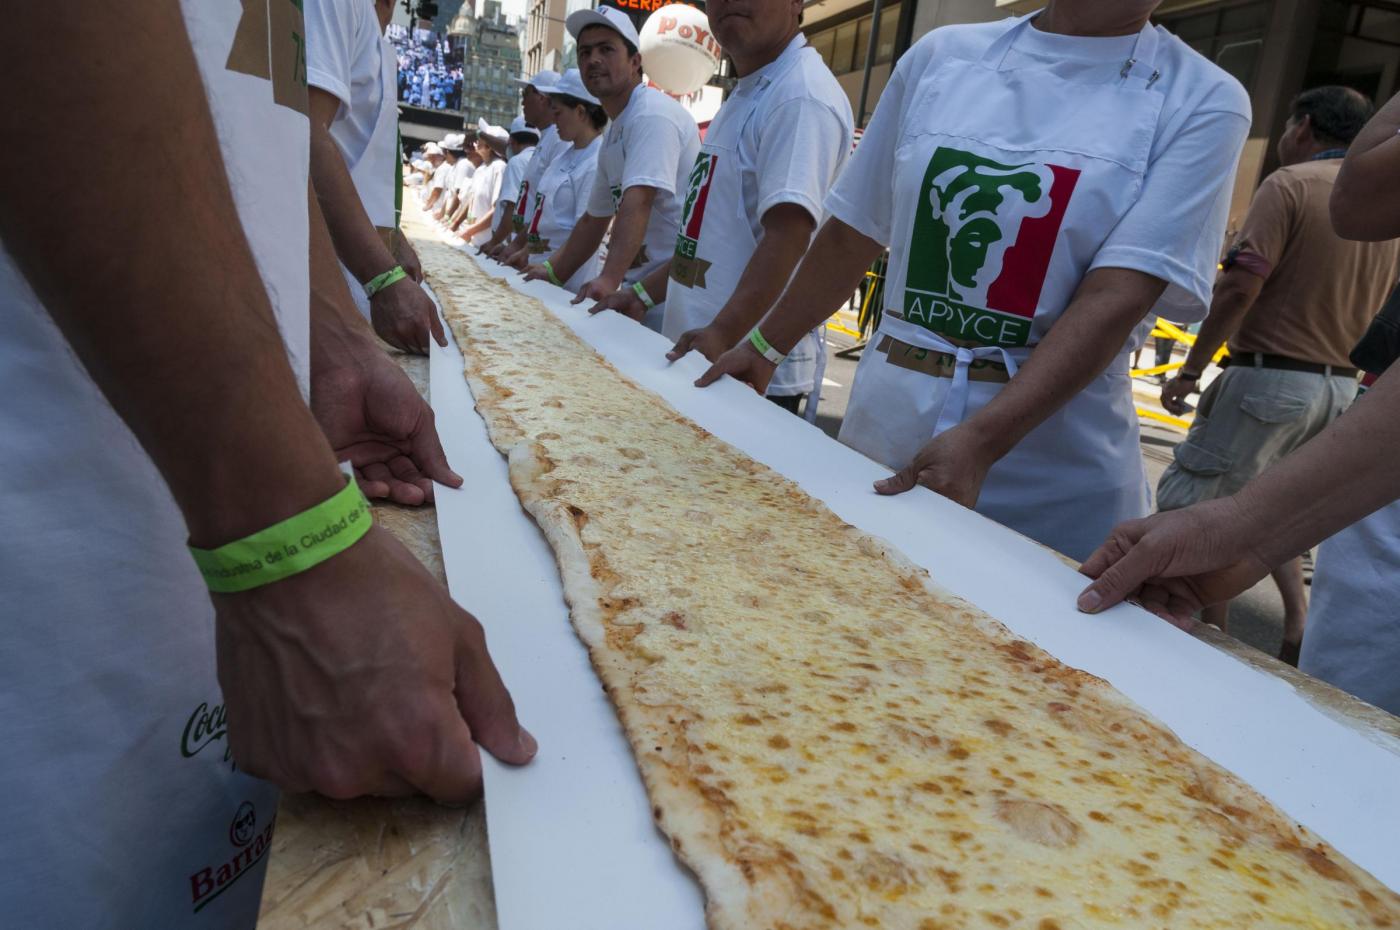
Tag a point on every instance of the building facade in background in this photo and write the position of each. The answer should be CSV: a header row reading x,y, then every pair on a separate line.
x,y
544,35
490,64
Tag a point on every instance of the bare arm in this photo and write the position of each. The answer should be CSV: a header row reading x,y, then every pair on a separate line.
x,y
629,232
173,323
1076,350
826,278
1366,198
787,231
1178,562
583,241
1235,293
357,242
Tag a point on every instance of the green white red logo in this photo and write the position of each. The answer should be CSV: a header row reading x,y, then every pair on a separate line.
x,y
684,267
983,236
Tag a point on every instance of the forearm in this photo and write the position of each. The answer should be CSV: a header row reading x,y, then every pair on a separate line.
x,y
339,333
1227,312
1346,472
1078,348
585,239
762,282
503,228
629,232
172,321
656,283
1366,197
829,274
357,242
478,227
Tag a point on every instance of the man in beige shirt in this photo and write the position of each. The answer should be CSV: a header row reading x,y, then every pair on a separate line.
x,y
1292,302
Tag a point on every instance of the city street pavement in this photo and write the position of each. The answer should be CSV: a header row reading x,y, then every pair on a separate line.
x,y
1256,617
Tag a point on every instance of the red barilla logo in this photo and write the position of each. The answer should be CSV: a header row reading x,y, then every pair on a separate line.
x,y
251,845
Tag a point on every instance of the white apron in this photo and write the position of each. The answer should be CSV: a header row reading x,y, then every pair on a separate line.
x,y
1353,631
715,212
561,198
120,807
1009,181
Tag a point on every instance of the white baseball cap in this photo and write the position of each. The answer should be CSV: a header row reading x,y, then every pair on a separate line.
x,y
571,84
606,16
454,141
542,80
498,133
518,125
432,148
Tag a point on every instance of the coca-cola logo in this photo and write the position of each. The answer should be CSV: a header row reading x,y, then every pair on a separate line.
x,y
206,725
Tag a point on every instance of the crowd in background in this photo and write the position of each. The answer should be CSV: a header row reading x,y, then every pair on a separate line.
x,y
430,68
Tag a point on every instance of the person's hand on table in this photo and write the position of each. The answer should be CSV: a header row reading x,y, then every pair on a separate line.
x,y
535,272
403,315
743,363
360,676
375,418
497,251
518,260
625,302
1175,564
1175,390
600,288
407,256
953,463
710,341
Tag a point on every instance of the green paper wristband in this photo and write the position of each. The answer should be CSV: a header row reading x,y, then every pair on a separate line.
x,y
288,548
380,281
767,351
640,290
553,278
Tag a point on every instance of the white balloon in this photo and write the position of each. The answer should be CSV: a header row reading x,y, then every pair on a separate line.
x,y
679,53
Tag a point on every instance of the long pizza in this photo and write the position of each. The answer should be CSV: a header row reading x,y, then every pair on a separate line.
x,y
829,740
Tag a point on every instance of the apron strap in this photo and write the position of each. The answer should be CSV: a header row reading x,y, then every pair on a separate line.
x,y
1140,64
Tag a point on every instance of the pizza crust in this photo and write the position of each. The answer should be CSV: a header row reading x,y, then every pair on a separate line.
x,y
868,752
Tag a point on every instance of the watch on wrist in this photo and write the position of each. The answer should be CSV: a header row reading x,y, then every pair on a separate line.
x,y
1185,375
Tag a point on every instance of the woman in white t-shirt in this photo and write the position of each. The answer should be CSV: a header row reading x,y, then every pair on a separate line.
x,y
486,186
562,196
1040,183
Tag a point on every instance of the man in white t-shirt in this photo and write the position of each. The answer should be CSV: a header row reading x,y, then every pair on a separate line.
x,y
435,186
351,69
534,103
648,150
477,213
754,198
160,379
523,147
461,179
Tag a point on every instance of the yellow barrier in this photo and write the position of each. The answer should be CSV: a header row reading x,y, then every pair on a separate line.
x,y
1165,330
1163,418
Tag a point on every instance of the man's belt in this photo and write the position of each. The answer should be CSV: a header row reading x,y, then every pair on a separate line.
x,y
1284,363
939,364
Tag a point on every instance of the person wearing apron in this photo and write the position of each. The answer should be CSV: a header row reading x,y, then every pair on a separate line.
x,y
1039,190
524,146
535,104
561,196
768,160
350,68
156,382
491,142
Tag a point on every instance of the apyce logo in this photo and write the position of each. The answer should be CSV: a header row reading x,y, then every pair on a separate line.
x,y
981,245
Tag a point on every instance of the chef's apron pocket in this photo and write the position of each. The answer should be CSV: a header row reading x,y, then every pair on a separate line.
x,y
1274,408
1199,460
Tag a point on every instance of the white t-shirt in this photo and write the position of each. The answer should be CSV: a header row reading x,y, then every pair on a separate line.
x,y
510,182
460,178
1204,114
119,804
348,56
549,148
441,174
652,143
560,201
792,136
486,187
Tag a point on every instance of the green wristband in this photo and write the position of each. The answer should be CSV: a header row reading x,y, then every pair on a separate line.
x,y
287,548
767,351
553,278
640,290
380,281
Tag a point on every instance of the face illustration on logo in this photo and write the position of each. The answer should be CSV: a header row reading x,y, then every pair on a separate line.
x,y
981,207
245,823
980,248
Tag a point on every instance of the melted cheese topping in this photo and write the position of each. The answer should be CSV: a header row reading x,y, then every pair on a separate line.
x,y
862,750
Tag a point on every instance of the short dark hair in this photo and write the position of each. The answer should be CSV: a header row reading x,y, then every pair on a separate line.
x,y
627,44
1336,113
525,138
